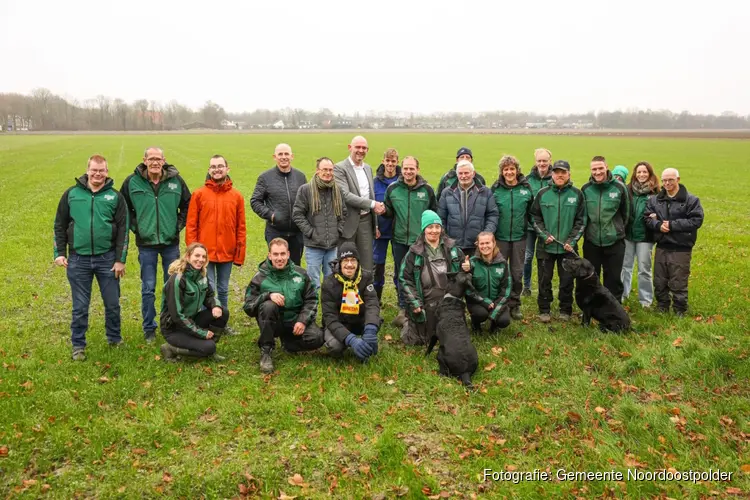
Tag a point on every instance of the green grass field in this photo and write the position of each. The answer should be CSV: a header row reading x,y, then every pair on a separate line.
x,y
672,395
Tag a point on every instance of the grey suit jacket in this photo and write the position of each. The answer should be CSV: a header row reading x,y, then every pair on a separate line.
x,y
346,179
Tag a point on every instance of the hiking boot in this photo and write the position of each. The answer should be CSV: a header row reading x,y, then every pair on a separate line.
x,y
400,319
218,357
564,317
149,336
78,354
230,331
168,353
266,362
516,314
526,292
679,314
476,326
545,318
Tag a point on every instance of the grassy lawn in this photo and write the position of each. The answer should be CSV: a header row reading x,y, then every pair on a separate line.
x,y
672,395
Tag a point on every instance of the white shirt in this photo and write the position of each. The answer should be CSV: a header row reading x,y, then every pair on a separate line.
x,y
364,184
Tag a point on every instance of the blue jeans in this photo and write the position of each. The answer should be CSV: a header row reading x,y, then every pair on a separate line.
x,y
81,272
528,261
640,250
218,279
148,258
317,257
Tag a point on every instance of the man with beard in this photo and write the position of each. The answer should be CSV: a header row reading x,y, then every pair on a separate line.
x,y
387,173
354,178
216,218
608,210
158,200
273,200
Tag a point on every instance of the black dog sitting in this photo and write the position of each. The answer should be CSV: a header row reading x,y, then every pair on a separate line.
x,y
594,299
457,356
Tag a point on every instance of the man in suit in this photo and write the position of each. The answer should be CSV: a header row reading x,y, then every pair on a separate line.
x,y
354,178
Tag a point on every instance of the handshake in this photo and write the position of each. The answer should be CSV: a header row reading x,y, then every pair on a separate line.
x,y
364,346
379,208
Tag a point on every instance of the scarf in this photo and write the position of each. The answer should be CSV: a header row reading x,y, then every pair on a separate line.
x,y
639,188
350,299
316,185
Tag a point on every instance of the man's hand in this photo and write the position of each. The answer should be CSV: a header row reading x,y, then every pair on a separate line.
x,y
277,299
491,306
210,335
417,310
299,328
119,269
568,247
664,228
379,208
62,261
216,312
377,233
466,265
273,216
549,239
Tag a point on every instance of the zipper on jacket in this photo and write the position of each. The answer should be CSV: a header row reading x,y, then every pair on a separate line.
x,y
408,213
599,208
92,223
510,234
156,203
559,214
288,196
489,283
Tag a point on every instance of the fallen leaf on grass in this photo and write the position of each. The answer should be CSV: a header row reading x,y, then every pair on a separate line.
x,y
103,380
297,480
157,357
364,469
677,342
496,351
574,417
3,451
364,399
387,338
745,468
733,491
27,385
232,372
139,451
490,367
358,438
600,410
284,496
625,354
166,477
511,468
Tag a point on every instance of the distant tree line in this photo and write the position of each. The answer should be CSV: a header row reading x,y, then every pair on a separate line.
x,y
43,110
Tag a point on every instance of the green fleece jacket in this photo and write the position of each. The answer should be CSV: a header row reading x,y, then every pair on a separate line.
x,y
514,203
183,297
405,205
608,211
492,282
300,296
559,212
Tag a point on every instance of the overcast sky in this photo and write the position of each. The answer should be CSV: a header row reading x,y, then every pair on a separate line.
x,y
546,56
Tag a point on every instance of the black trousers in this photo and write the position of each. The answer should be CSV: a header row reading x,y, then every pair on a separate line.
x,y
610,260
515,253
199,348
546,270
671,273
272,325
295,241
479,313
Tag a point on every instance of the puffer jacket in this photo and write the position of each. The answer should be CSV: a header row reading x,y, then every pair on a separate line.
x,y
216,218
331,296
481,214
321,229
273,198
684,213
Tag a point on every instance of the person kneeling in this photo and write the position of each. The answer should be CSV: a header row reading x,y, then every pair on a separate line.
x,y
285,302
188,330
351,309
492,281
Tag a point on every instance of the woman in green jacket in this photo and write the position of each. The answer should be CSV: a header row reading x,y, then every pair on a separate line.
x,y
492,281
188,327
638,244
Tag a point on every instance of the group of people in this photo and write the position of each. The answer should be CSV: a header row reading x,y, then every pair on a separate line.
x,y
343,220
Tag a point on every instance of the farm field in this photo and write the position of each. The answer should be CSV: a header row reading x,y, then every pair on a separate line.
x,y
673,394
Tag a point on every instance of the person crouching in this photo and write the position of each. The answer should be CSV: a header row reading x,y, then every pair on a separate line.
x,y
351,309
188,330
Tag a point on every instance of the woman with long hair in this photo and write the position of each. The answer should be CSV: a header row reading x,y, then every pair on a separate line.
x,y
189,329
491,277
638,240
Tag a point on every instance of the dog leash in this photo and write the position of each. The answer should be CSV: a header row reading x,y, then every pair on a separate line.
x,y
573,251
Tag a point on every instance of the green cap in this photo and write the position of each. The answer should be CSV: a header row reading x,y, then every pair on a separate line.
x,y
430,217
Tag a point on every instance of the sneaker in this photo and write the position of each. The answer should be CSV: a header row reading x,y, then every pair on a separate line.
x,y
545,318
266,362
516,314
167,354
679,314
526,292
400,319
564,317
117,343
78,354
230,331
149,336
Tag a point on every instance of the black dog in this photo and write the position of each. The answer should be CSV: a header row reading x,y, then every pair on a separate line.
x,y
457,356
594,299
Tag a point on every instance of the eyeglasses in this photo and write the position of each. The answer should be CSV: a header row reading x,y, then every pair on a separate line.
x,y
668,180
217,167
154,160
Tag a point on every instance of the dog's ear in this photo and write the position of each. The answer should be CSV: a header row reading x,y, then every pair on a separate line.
x,y
451,276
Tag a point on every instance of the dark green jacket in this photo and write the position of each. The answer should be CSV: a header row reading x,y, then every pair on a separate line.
x,y
637,230
300,296
537,182
492,282
183,297
405,204
608,211
514,203
157,212
450,178
89,223
559,212
410,274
